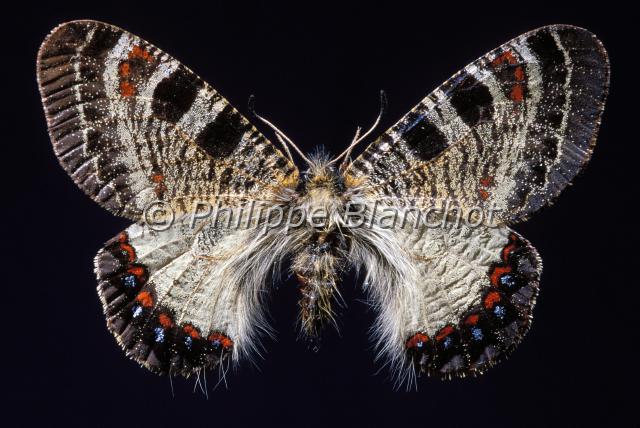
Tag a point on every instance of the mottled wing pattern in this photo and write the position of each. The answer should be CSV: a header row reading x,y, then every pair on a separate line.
x,y
130,124
172,299
472,299
510,130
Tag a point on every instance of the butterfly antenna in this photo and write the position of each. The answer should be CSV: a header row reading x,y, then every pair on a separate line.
x,y
281,136
359,138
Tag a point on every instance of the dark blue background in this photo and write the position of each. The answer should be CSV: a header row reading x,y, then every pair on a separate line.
x,y
316,70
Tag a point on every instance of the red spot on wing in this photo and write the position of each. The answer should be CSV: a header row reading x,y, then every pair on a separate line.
x,y
504,57
127,89
123,237
125,69
128,250
127,74
139,272
516,93
519,73
472,319
224,340
506,251
165,321
160,187
491,299
145,299
444,332
509,248
486,181
497,272
139,52
415,339
191,331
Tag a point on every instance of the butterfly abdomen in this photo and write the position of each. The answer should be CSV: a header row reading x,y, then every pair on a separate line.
x,y
317,268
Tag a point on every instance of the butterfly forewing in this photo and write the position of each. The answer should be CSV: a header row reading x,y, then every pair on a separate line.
x,y
132,125
509,131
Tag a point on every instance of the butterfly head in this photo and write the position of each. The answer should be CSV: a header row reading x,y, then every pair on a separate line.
x,y
321,174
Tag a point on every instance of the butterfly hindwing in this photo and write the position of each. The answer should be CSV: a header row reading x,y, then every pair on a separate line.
x,y
509,131
452,300
131,125
173,298
131,270
474,298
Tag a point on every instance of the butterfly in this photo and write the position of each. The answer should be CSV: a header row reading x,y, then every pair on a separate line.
x,y
134,128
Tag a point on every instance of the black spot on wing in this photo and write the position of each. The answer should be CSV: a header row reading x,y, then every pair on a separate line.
x,y
550,148
551,59
221,136
174,95
268,150
539,170
590,73
281,163
423,137
472,101
543,144
103,40
555,112
91,73
554,74
359,165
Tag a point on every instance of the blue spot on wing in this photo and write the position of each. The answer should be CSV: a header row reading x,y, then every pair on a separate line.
x,y
477,334
137,311
129,281
507,280
447,343
159,331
